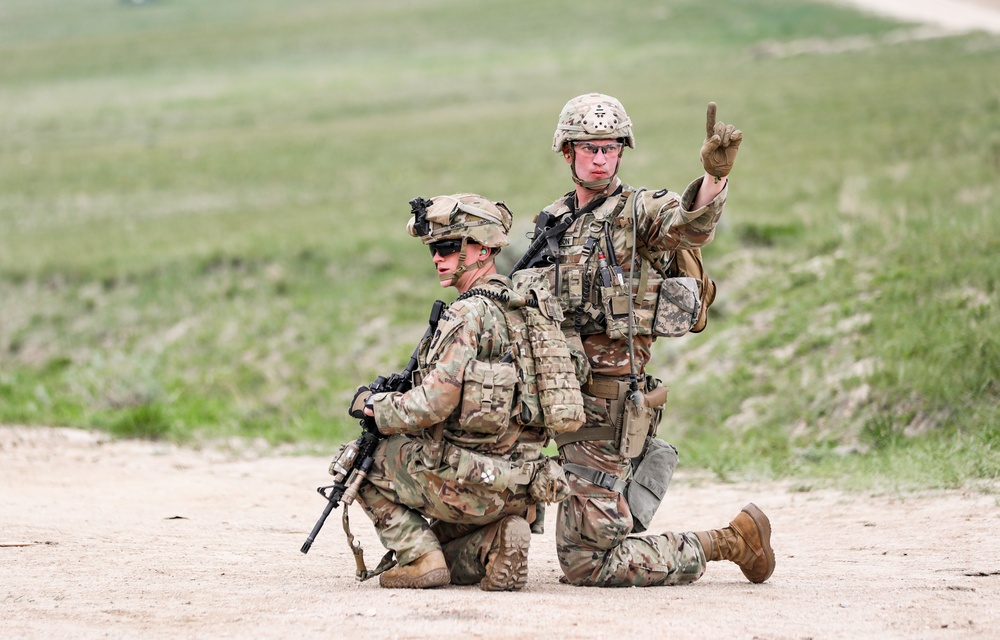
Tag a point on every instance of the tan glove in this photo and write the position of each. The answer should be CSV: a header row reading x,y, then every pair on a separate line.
x,y
357,409
722,141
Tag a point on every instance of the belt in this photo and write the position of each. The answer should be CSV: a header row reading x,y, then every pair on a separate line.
x,y
605,387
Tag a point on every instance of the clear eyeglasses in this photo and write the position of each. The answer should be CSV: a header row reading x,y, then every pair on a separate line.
x,y
589,150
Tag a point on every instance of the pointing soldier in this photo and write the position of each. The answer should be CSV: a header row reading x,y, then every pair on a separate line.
x,y
611,263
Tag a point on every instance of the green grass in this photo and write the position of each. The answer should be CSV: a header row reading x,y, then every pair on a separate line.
x,y
202,210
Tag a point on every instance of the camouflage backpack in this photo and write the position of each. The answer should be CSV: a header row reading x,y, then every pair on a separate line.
x,y
550,378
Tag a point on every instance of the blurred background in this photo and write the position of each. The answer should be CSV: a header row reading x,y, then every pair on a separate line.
x,y
202,210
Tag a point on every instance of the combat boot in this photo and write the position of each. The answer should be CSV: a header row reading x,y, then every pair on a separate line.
x,y
429,570
746,541
507,563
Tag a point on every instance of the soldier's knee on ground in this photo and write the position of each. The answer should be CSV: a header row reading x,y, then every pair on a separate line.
x,y
507,564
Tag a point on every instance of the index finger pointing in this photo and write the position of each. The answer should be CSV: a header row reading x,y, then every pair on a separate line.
x,y
710,120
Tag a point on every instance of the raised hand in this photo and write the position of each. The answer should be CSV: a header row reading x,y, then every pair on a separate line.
x,y
722,141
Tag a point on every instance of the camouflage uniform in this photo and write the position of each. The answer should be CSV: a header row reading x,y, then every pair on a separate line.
x,y
432,468
594,522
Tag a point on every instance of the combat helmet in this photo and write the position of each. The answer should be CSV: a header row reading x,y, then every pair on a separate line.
x,y
593,116
458,217
466,217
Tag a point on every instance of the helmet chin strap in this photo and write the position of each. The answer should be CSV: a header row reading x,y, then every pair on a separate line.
x,y
593,185
462,267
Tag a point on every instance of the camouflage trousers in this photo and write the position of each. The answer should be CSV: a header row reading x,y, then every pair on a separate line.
x,y
592,531
418,505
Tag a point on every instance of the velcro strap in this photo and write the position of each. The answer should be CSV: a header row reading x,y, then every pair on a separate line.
x,y
522,473
487,402
587,433
600,478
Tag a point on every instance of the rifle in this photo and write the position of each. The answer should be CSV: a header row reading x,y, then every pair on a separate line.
x,y
544,248
352,465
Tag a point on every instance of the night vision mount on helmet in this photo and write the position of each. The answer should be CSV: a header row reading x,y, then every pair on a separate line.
x,y
458,217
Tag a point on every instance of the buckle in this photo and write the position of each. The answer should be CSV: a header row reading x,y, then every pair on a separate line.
x,y
605,480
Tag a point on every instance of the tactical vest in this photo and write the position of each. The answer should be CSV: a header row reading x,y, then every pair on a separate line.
x,y
483,420
594,292
524,380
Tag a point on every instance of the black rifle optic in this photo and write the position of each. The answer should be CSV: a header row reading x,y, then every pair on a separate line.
x,y
353,464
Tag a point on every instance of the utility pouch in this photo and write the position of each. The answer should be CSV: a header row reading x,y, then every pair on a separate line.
x,y
635,425
677,307
651,474
614,304
477,469
487,396
570,292
549,484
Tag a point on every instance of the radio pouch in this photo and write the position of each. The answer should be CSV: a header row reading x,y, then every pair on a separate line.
x,y
635,425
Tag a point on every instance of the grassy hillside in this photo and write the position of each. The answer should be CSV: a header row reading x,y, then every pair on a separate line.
x,y
202,210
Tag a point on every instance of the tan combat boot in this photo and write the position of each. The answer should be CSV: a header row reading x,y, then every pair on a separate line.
x,y
746,541
429,570
507,566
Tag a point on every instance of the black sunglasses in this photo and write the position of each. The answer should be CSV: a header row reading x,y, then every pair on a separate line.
x,y
445,247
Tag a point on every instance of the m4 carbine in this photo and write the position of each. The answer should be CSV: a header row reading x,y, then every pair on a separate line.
x,y
352,465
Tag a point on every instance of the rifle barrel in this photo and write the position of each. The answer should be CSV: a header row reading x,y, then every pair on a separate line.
x,y
330,506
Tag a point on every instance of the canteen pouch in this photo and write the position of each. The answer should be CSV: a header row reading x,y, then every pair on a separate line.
x,y
487,396
651,474
677,307
549,484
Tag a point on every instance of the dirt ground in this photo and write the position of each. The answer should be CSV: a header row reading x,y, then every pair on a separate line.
x,y
102,538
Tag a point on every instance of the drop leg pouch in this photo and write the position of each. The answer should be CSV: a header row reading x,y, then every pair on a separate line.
x,y
651,475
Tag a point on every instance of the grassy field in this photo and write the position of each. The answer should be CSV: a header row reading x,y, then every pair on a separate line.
x,y
202,210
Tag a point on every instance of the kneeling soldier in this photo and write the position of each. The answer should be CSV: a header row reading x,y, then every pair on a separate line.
x,y
454,488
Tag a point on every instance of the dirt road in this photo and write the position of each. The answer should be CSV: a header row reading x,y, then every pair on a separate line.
x,y
954,15
134,539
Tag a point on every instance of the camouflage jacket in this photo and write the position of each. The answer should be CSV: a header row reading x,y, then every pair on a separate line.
x,y
470,329
666,222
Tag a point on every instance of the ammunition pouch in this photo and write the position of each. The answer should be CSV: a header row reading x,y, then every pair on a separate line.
x,y
614,304
487,396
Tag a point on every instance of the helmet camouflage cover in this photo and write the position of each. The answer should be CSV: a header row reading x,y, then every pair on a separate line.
x,y
593,116
462,215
